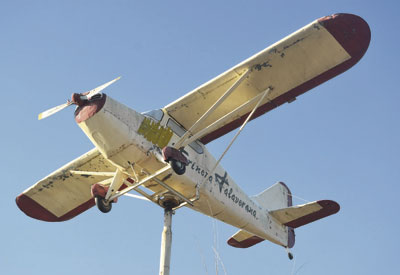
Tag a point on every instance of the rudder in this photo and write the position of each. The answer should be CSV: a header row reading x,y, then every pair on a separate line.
x,y
277,196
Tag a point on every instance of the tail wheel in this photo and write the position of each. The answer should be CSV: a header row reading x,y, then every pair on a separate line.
x,y
178,166
103,205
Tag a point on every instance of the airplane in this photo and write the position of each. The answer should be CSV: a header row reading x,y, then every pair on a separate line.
x,y
161,154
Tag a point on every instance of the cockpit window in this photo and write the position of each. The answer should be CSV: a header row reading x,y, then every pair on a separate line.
x,y
177,129
157,115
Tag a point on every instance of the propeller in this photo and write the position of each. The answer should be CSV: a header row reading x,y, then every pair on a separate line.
x,y
83,96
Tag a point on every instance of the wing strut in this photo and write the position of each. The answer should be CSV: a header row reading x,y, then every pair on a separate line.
x,y
146,179
115,194
264,94
211,110
220,121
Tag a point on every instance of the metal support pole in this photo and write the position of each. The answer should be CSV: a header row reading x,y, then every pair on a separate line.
x,y
166,240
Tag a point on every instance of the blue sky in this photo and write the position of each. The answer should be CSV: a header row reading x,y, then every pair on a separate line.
x,y
339,141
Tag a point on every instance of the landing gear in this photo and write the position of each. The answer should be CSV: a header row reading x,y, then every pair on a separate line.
x,y
176,158
178,166
103,205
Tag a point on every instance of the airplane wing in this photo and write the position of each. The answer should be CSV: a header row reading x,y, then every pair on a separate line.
x,y
292,66
64,194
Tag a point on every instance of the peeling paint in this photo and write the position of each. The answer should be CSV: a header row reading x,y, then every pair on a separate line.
x,y
294,43
274,50
259,67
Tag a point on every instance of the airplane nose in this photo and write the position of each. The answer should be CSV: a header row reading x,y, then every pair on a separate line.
x,y
76,99
87,108
351,31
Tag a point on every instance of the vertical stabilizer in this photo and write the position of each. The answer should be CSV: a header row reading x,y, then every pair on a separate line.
x,y
276,197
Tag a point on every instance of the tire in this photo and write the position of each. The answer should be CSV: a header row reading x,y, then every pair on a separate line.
x,y
102,205
178,167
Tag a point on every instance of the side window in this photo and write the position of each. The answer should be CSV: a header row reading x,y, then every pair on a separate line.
x,y
157,115
177,129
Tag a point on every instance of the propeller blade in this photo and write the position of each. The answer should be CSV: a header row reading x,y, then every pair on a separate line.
x,y
88,96
98,89
53,110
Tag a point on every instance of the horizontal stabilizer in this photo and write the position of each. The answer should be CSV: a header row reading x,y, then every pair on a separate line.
x,y
300,215
244,239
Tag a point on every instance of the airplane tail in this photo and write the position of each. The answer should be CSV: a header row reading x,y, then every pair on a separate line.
x,y
276,197
278,201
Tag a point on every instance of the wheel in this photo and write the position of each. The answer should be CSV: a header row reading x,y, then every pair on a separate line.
x,y
178,167
290,255
102,204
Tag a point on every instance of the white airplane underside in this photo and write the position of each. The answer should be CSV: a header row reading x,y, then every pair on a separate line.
x,y
162,156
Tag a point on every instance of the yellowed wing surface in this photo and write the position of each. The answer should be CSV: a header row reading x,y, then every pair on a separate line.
x,y
63,195
292,66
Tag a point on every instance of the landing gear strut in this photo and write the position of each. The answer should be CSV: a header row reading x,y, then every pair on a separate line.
x,y
176,158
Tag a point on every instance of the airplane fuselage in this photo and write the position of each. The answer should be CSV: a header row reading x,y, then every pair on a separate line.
x,y
129,139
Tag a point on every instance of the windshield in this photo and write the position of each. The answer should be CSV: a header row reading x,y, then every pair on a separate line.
x,y
157,115
177,129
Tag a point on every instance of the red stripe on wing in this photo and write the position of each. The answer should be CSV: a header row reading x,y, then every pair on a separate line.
x,y
34,210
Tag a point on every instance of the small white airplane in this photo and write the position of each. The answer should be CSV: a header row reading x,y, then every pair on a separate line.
x,y
161,154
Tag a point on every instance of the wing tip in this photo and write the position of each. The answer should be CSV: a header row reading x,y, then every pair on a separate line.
x,y
34,210
351,31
